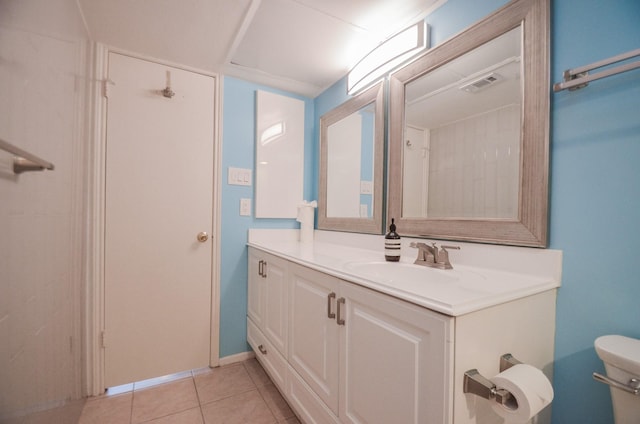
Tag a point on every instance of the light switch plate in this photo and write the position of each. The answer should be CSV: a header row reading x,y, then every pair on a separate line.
x,y
366,187
245,207
239,176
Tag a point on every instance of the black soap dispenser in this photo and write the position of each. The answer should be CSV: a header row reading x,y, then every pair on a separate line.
x,y
392,244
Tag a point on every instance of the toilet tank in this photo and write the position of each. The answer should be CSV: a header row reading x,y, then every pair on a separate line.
x,y
621,357
621,352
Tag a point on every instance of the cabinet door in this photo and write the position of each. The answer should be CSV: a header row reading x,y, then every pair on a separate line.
x,y
313,334
255,305
276,297
395,361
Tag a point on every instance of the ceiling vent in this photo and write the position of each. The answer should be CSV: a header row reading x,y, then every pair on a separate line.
x,y
481,83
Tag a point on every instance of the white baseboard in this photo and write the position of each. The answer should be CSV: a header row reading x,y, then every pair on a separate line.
x,y
238,357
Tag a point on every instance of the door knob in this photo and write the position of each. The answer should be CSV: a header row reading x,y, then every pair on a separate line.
x,y
202,237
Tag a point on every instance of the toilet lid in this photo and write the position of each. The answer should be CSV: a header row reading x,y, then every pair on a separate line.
x,y
620,351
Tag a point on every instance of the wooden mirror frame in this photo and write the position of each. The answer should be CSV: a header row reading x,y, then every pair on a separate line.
x,y
371,225
530,226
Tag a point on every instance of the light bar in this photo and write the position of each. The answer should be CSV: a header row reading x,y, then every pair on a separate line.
x,y
387,56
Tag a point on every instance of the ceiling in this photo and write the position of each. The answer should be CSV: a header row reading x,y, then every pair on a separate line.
x,y
302,46
438,98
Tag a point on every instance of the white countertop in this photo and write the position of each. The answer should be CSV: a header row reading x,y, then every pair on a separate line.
x,y
483,275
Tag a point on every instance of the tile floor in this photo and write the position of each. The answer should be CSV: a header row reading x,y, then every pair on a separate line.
x,y
233,394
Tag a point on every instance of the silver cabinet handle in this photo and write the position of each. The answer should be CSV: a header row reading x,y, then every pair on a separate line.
x,y
330,314
202,236
262,268
262,349
340,320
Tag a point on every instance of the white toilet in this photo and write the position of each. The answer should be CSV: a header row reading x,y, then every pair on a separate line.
x,y
621,357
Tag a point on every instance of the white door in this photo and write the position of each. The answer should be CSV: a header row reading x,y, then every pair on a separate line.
x,y
159,195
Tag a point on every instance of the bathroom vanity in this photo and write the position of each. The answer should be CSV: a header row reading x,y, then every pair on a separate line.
x,y
350,338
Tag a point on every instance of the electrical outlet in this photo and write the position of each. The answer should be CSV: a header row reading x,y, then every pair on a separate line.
x,y
245,207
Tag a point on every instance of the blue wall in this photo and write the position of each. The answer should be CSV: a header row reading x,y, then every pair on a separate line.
x,y
238,142
595,191
595,200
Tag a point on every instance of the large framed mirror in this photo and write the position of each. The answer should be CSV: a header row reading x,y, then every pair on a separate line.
x,y
469,133
351,164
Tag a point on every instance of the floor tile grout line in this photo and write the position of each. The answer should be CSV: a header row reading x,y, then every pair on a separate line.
x,y
268,407
173,412
131,407
229,396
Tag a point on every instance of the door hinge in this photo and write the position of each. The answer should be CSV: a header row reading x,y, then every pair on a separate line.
x,y
103,339
105,87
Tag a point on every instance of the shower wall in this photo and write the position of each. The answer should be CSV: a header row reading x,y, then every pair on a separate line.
x,y
43,67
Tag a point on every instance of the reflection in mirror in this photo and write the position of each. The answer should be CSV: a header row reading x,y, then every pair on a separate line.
x,y
351,161
461,153
469,133
350,143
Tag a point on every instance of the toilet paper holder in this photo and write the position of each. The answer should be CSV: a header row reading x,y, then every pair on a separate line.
x,y
476,384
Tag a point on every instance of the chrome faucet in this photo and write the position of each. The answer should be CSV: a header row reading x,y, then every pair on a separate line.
x,y
432,257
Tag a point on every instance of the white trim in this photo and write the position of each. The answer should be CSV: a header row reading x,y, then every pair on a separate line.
x,y
214,359
94,284
242,31
111,49
238,357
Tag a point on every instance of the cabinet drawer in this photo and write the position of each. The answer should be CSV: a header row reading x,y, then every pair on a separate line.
x,y
272,361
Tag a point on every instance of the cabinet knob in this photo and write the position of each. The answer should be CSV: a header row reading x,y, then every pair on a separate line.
x,y
202,237
262,349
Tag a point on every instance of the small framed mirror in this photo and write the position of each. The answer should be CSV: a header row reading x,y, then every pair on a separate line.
x,y
351,164
469,133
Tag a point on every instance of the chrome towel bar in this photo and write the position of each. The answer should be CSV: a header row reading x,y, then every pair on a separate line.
x,y
24,161
579,77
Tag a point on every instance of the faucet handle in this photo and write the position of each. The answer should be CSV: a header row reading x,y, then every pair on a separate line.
x,y
443,256
449,247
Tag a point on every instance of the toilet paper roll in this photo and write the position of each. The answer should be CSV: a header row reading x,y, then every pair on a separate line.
x,y
530,388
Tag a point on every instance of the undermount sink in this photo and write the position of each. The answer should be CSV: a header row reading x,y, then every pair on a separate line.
x,y
394,272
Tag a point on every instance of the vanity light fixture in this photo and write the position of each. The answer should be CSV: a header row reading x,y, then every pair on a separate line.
x,y
387,56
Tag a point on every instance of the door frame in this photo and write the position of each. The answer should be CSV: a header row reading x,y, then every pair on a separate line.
x,y
94,295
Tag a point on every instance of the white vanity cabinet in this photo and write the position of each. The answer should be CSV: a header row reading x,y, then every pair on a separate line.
x,y
394,360
343,352
368,357
267,311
